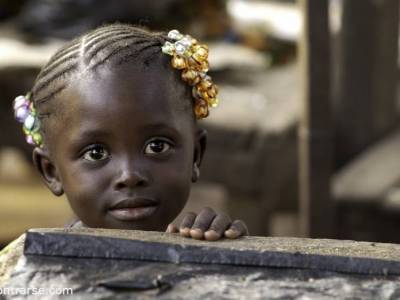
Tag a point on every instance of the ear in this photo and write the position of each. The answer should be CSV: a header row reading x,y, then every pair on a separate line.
x,y
47,170
200,149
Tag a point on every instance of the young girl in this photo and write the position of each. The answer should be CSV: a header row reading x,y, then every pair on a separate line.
x,y
112,117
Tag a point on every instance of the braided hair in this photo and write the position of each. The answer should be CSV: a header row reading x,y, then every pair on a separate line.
x,y
118,43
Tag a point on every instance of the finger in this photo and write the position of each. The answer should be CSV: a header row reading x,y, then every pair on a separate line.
x,y
202,223
238,228
172,228
220,223
187,223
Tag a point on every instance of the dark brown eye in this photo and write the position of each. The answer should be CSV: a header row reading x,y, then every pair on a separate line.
x,y
157,147
96,153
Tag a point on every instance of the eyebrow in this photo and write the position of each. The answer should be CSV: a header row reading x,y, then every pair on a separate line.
x,y
93,134
161,126
89,135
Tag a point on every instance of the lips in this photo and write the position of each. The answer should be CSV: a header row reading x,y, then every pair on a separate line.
x,y
133,209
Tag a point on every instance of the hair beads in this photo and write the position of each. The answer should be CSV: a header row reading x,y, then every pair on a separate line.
x,y
192,59
25,113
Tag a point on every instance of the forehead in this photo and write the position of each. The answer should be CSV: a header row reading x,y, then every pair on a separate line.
x,y
126,90
124,98
154,87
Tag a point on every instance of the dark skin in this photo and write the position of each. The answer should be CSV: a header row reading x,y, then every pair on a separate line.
x,y
125,153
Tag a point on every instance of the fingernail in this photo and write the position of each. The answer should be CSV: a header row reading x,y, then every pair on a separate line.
x,y
169,228
196,234
211,235
185,231
230,234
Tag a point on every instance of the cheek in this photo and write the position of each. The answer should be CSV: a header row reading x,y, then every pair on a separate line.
x,y
178,182
83,189
175,181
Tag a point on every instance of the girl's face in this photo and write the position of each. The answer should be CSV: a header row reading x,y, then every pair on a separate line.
x,y
124,148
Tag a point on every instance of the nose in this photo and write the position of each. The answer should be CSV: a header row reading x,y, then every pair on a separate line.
x,y
130,178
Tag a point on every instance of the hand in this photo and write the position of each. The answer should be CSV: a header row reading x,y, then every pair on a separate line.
x,y
210,226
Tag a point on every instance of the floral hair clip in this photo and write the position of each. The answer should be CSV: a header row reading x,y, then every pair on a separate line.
x,y
26,114
192,59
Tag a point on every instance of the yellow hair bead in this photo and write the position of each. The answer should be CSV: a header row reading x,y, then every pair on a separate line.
x,y
191,76
205,84
213,102
37,138
178,62
201,109
212,92
192,59
200,54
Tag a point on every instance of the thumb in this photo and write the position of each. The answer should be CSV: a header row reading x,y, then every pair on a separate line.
x,y
172,228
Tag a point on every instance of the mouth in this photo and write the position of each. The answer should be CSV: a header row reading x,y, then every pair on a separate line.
x,y
133,209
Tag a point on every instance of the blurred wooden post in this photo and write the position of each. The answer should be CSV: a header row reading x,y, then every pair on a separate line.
x,y
367,75
315,132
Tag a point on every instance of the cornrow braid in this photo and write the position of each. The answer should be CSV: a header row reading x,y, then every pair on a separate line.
x,y
67,49
59,62
124,50
90,42
106,42
118,42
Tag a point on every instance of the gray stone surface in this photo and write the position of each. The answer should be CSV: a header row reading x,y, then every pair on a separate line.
x,y
383,252
103,276
119,279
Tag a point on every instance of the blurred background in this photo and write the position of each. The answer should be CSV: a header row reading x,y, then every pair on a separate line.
x,y
305,141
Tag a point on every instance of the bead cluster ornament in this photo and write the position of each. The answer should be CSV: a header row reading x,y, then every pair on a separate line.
x,y
192,59
25,113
